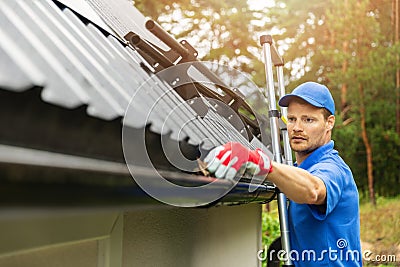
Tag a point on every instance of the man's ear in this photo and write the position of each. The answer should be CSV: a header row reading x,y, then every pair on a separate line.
x,y
330,122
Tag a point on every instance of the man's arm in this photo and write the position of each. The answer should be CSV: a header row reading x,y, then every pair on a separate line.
x,y
298,184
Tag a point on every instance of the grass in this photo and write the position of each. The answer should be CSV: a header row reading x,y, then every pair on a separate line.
x,y
380,228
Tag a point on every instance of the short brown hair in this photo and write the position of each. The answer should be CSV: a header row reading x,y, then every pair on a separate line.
x,y
326,113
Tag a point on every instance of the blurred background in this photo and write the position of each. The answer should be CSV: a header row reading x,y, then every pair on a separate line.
x,y
352,46
67,74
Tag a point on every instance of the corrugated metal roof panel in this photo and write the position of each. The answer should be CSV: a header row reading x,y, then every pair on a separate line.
x,y
20,28
18,72
78,64
45,45
11,75
123,17
85,10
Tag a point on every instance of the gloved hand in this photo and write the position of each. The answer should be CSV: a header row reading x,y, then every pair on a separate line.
x,y
226,160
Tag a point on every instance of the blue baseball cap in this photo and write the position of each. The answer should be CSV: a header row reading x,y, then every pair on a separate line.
x,y
313,93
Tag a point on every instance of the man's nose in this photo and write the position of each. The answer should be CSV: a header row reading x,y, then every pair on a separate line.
x,y
297,126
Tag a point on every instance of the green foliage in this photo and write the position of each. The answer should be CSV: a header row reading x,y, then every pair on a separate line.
x,y
221,28
270,228
349,144
371,66
348,42
334,42
305,32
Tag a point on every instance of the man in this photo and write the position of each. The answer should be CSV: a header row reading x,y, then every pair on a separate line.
x,y
323,210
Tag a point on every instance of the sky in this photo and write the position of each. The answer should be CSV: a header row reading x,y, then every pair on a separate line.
x,y
260,4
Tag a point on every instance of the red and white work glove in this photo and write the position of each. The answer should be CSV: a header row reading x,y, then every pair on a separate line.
x,y
226,161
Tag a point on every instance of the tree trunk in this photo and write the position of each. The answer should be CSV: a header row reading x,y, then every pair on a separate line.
x,y
367,145
343,91
396,41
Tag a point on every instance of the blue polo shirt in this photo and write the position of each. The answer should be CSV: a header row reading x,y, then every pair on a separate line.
x,y
331,236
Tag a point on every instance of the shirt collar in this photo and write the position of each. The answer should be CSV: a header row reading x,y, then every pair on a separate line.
x,y
316,155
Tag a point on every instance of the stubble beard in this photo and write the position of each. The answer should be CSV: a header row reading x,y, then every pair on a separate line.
x,y
304,151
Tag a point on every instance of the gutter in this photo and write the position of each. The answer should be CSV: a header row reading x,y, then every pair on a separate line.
x,y
37,178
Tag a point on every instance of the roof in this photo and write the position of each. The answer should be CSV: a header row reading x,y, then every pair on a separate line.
x,y
69,81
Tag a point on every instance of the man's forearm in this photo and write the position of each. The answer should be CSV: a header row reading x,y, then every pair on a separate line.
x,y
298,184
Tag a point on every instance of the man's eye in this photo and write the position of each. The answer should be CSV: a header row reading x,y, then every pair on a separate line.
x,y
291,120
309,120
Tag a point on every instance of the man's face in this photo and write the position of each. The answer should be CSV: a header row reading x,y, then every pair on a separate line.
x,y
307,127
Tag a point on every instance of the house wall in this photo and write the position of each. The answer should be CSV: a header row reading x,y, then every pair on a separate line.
x,y
217,236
